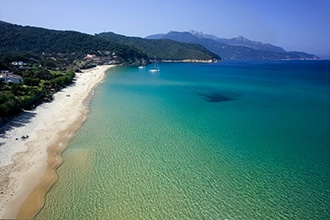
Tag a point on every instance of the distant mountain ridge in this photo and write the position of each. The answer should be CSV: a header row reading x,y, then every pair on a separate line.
x,y
238,48
126,50
165,49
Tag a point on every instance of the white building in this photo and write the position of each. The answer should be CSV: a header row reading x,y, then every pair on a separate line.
x,y
8,77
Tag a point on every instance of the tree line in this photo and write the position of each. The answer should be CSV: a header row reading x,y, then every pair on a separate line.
x,y
39,84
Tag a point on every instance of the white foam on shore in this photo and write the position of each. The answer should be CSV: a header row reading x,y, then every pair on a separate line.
x,y
23,162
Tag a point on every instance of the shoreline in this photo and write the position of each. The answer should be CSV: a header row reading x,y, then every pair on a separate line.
x,y
191,61
28,167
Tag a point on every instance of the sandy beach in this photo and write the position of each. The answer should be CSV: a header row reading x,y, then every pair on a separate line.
x,y
32,143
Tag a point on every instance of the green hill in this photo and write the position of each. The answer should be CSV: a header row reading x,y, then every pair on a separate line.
x,y
131,50
40,40
164,49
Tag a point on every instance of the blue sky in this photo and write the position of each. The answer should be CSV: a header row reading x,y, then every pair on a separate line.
x,y
295,25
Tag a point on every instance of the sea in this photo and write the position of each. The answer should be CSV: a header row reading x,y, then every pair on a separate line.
x,y
228,140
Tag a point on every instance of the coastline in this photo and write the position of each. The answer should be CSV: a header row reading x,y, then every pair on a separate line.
x,y
191,61
28,167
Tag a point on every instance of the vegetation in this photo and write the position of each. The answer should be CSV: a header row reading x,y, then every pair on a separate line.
x,y
41,79
73,45
164,49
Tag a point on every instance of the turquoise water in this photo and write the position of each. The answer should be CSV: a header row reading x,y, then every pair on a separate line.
x,y
233,140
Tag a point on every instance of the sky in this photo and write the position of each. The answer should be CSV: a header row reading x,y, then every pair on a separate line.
x,y
295,25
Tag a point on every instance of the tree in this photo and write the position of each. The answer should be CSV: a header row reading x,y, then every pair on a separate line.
x,y
29,81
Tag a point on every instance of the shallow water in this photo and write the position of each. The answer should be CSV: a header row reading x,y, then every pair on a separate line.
x,y
233,140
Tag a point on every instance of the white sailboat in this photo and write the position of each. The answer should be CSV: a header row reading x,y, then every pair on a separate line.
x,y
156,67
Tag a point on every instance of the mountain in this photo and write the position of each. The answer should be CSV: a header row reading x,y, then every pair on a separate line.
x,y
40,40
238,48
242,41
164,49
127,50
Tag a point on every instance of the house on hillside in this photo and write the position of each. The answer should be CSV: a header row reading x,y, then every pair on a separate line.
x,y
89,56
18,63
7,77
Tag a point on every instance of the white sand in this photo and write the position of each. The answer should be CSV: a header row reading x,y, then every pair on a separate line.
x,y
24,162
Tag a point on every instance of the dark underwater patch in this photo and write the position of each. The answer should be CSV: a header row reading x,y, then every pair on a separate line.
x,y
214,97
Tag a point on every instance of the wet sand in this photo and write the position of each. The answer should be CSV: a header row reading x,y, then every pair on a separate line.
x,y
28,166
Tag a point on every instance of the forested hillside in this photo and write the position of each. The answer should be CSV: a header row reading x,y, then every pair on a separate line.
x,y
164,49
71,43
40,77
77,45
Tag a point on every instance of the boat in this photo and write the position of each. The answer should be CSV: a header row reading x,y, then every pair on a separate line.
x,y
142,67
156,67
